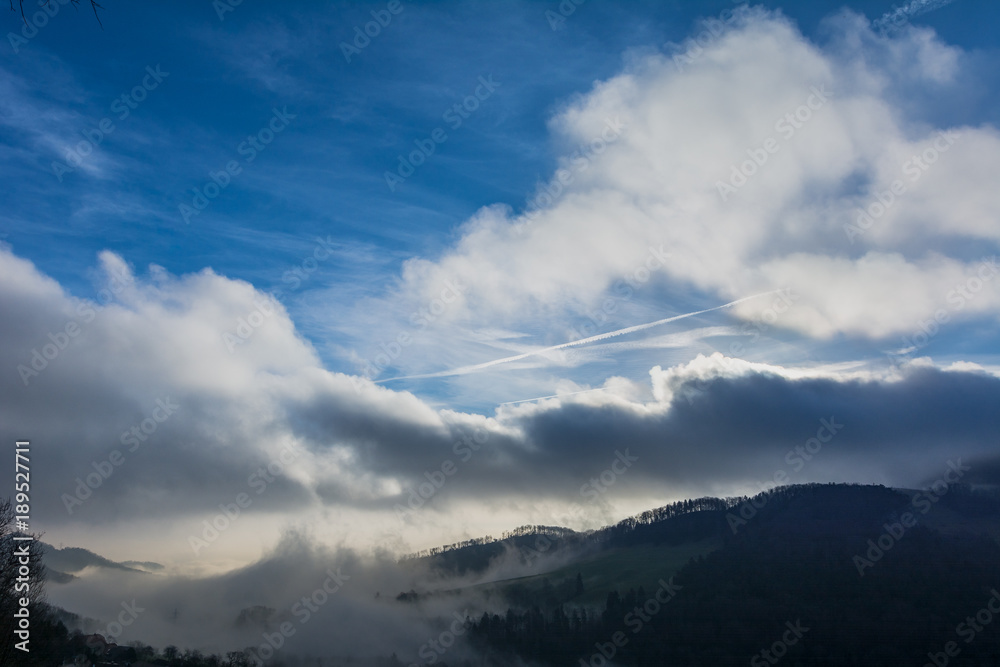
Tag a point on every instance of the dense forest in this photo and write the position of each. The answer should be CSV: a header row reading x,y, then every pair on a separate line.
x,y
810,575
790,573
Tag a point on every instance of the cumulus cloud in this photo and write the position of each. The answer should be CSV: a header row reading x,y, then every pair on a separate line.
x,y
257,413
269,422
761,162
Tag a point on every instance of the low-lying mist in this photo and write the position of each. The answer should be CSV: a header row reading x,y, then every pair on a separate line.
x,y
303,599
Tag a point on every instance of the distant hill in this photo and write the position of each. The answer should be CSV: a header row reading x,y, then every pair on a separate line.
x,y
145,565
679,523
63,563
818,574
878,576
536,558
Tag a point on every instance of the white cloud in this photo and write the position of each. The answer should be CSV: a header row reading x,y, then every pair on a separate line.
x,y
361,447
786,227
357,449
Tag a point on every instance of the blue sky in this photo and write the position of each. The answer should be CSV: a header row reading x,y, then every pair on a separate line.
x,y
467,261
324,174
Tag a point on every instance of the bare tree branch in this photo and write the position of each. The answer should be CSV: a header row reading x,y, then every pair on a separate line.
x,y
76,3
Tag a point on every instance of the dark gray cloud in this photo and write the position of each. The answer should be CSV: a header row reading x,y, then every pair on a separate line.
x,y
214,421
729,429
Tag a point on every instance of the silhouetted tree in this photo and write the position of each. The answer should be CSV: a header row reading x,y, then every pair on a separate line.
x,y
18,580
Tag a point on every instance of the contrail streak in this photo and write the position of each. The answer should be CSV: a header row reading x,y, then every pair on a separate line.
x,y
902,15
539,398
583,341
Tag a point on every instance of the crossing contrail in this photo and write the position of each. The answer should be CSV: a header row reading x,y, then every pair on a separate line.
x,y
463,370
